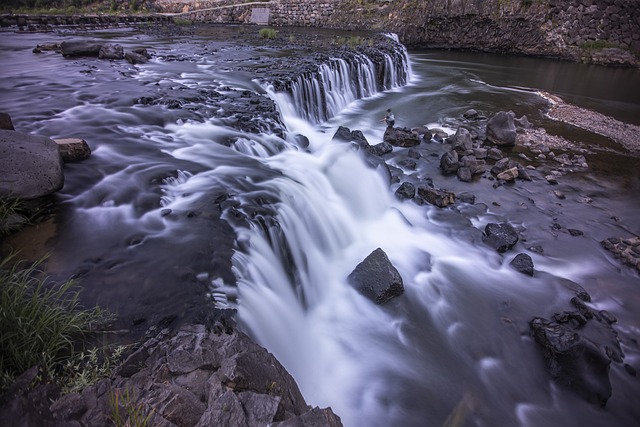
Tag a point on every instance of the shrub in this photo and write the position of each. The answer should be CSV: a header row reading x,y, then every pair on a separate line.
x,y
268,33
40,322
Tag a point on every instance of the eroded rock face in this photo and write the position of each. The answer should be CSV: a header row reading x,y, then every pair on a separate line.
x,y
376,278
196,377
31,165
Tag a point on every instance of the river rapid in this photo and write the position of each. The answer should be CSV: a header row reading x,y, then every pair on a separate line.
x,y
176,205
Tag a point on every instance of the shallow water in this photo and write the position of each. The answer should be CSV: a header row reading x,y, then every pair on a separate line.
x,y
457,343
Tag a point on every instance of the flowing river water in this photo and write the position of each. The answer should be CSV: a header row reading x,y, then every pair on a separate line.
x,y
455,348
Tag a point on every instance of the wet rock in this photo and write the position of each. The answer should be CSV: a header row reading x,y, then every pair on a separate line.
x,y
464,174
575,233
31,165
522,263
573,360
401,137
578,290
509,174
437,197
461,141
471,114
467,198
551,179
494,154
406,191
501,129
409,164
501,237
376,278
449,162
5,122
80,48
559,194
73,149
135,58
476,166
626,250
358,137
381,149
111,51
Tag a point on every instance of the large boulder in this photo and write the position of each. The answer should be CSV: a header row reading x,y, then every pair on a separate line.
x,y
401,137
501,237
501,129
31,165
376,278
111,51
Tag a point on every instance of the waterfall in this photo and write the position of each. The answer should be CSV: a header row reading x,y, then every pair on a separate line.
x,y
320,94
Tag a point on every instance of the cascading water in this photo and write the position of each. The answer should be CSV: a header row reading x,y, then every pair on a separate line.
x,y
455,346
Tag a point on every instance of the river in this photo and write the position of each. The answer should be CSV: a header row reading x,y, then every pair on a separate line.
x,y
137,224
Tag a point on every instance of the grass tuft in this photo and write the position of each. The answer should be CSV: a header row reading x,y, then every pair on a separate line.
x,y
40,322
268,33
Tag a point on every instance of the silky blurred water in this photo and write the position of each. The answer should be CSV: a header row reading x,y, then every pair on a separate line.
x,y
457,343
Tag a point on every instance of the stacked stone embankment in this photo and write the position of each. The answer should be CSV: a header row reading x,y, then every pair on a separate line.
x,y
599,31
38,22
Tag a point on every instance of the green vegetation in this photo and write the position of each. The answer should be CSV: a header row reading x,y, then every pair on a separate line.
x,y
11,216
268,33
68,7
41,323
125,412
597,45
352,41
182,21
88,368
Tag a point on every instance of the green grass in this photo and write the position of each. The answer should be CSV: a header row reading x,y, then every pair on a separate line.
x,y
597,45
41,323
126,412
268,33
182,21
11,216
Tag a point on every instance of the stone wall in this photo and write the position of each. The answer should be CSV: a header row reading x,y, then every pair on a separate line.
x,y
39,22
606,31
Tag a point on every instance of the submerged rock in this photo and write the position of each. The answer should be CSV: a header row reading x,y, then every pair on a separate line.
x,y
376,278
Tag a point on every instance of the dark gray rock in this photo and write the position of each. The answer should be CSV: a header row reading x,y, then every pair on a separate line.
x,y
31,165
467,198
501,129
501,237
476,166
315,417
522,263
573,360
358,137
381,149
471,114
376,278
80,48
437,197
494,154
406,191
5,122
342,134
449,162
401,137
69,407
408,164
135,58
464,174
461,141
111,51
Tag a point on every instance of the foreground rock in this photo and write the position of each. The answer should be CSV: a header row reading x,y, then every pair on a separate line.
x,y
579,346
196,377
376,278
31,165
